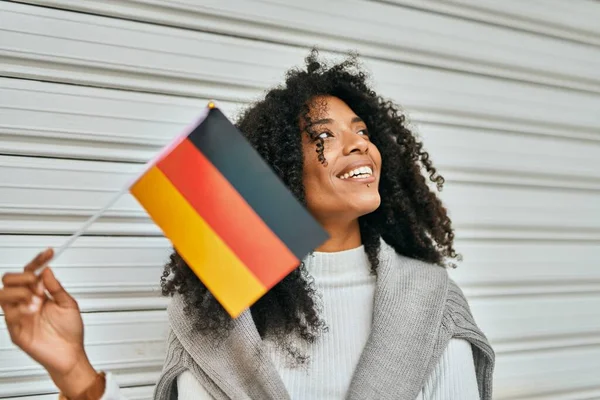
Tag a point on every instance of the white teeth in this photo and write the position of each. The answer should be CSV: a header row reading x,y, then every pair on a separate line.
x,y
361,172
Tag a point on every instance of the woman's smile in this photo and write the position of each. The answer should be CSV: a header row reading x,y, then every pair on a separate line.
x,y
360,171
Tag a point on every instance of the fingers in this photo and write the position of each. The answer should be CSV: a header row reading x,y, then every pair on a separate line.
x,y
19,279
39,261
16,294
12,313
13,318
17,302
25,288
60,295
18,288
24,299
17,314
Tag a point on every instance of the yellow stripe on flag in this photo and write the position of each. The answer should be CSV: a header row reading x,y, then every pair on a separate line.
x,y
228,279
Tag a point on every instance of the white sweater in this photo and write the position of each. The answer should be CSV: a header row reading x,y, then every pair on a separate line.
x,y
346,288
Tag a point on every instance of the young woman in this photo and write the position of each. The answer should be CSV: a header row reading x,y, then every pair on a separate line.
x,y
371,314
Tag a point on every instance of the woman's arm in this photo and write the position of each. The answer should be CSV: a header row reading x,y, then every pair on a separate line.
x,y
454,375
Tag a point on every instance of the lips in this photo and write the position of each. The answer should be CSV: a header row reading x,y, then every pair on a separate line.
x,y
357,170
360,172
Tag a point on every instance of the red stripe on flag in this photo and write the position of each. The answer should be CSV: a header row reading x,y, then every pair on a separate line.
x,y
229,215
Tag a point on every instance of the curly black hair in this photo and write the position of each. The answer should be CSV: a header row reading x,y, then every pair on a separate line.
x,y
410,218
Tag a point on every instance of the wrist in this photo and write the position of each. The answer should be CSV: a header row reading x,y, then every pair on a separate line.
x,y
77,380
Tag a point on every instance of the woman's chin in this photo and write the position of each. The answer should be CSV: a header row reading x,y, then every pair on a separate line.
x,y
368,205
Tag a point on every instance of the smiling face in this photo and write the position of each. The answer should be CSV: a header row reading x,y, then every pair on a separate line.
x,y
346,186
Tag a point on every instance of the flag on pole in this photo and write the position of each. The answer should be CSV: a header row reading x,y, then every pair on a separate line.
x,y
226,212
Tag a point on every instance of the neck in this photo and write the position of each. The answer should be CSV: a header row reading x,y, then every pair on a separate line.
x,y
342,236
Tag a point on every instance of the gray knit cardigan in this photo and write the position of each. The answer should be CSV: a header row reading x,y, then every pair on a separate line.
x,y
417,310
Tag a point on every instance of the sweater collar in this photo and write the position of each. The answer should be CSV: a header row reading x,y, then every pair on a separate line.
x,y
351,263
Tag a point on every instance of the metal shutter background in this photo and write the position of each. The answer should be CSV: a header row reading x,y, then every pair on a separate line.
x,y
505,94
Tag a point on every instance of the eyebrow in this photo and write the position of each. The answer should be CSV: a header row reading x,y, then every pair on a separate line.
x,y
329,121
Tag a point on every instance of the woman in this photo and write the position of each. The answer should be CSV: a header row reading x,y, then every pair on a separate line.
x,y
371,314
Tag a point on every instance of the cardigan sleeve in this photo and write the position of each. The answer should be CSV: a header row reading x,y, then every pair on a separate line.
x,y
454,375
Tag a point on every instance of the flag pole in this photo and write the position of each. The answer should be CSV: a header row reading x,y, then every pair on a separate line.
x,y
84,227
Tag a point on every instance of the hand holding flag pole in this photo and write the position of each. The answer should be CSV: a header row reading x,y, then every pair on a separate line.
x,y
227,214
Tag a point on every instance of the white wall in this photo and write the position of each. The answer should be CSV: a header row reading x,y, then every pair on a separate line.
x,y
506,95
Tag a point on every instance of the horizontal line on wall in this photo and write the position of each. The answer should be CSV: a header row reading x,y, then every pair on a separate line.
x,y
91,308
547,344
488,240
520,179
132,242
581,393
91,235
462,235
88,265
539,296
67,158
532,288
517,127
525,234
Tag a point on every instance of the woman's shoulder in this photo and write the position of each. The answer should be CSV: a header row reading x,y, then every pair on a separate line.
x,y
426,278
418,271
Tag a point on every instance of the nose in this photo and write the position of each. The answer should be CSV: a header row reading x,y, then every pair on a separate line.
x,y
355,143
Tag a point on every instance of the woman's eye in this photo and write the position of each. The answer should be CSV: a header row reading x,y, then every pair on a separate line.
x,y
324,135
363,132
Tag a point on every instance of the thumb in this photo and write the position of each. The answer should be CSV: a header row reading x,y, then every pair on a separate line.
x,y
60,295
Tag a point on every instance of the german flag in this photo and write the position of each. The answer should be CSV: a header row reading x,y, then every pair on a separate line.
x,y
226,212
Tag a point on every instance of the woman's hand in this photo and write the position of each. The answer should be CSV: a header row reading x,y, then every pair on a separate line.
x,y
48,330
